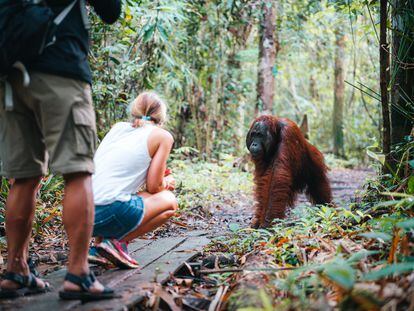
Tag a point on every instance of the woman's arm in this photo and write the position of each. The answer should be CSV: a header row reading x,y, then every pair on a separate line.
x,y
162,142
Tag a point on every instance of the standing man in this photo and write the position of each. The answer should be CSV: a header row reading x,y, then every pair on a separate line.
x,y
52,122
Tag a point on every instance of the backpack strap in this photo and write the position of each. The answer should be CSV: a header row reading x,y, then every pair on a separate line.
x,y
62,15
8,92
84,14
59,19
8,96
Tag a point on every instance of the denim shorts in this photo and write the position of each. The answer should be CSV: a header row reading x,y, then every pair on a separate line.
x,y
118,219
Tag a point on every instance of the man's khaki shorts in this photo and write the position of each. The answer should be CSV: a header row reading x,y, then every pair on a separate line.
x,y
52,122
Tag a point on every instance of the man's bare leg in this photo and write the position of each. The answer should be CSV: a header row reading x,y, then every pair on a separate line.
x,y
78,217
20,208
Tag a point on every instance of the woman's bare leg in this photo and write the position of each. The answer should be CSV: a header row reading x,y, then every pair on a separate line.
x,y
158,209
145,195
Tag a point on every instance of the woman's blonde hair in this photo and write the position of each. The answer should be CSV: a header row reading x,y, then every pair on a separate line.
x,y
148,106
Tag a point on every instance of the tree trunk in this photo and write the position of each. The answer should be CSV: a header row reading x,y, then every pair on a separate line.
x,y
402,83
384,80
267,55
339,93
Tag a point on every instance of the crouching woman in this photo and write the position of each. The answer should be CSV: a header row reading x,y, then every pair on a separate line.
x,y
131,155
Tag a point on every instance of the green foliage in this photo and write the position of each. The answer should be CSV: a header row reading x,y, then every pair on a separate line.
x,y
340,272
381,236
335,162
306,62
4,190
202,57
406,224
48,221
203,184
389,270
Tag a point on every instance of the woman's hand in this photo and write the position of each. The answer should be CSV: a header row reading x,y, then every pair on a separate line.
x,y
169,182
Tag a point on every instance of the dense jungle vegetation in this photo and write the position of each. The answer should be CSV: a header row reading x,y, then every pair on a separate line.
x,y
202,56
342,68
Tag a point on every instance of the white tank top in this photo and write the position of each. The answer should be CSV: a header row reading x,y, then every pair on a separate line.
x,y
121,163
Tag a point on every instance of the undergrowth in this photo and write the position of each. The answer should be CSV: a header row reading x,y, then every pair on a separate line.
x,y
47,222
200,183
341,257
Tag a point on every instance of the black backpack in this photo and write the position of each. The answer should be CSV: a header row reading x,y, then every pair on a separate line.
x,y
27,27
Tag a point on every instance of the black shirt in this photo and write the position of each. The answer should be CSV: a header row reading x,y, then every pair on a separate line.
x,y
68,56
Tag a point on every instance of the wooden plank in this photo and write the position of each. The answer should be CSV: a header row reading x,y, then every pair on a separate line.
x,y
139,244
51,301
48,301
133,288
172,260
144,257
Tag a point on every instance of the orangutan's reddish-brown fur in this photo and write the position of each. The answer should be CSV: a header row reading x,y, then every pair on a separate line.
x,y
292,165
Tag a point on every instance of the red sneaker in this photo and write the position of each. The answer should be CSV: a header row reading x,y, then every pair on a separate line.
x,y
123,249
117,253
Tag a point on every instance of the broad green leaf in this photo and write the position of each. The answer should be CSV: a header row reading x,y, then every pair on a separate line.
x,y
377,235
411,185
376,156
397,194
361,255
387,203
393,269
266,301
407,224
148,33
341,273
234,227
162,32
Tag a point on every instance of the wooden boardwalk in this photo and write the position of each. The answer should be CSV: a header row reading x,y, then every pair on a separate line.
x,y
157,258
